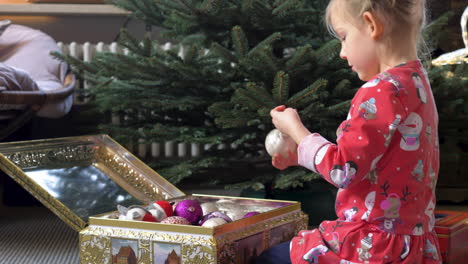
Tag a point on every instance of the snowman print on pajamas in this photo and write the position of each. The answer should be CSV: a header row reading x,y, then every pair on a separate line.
x,y
432,178
410,130
385,76
418,171
312,255
430,213
429,134
369,203
343,261
305,233
406,247
430,251
368,109
418,83
391,130
371,83
418,230
364,250
350,213
342,176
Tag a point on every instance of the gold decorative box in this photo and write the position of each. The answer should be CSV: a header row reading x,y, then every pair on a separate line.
x,y
82,179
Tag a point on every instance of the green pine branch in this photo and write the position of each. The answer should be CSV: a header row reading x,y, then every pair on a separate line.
x,y
281,87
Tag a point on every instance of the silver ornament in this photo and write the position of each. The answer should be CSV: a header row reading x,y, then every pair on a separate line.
x,y
212,222
135,214
208,207
277,142
235,213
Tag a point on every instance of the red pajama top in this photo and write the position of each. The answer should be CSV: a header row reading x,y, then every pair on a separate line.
x,y
385,164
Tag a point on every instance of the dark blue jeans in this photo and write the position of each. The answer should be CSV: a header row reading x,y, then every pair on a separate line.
x,y
278,254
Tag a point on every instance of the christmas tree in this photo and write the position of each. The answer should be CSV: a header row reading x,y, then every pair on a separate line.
x,y
231,62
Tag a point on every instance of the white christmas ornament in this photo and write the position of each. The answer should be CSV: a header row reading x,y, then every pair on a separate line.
x,y
135,214
235,213
277,142
208,207
212,222
158,214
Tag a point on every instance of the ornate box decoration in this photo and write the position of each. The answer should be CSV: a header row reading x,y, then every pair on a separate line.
x,y
452,231
83,179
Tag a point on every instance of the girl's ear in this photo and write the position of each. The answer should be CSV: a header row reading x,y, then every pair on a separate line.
x,y
373,24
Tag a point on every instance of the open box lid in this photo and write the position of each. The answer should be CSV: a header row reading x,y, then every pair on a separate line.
x,y
78,177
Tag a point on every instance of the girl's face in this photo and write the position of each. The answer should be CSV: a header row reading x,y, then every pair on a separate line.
x,y
357,45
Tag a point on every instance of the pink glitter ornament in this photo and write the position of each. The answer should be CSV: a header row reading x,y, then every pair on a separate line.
x,y
190,210
175,220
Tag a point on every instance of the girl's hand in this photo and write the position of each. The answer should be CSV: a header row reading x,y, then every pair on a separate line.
x,y
287,120
282,163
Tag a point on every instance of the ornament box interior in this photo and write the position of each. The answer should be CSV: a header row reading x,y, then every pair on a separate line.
x,y
83,179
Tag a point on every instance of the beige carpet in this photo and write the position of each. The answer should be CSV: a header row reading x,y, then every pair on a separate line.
x,y
36,236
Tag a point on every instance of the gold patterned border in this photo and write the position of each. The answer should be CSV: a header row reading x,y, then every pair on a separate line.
x,y
44,157
298,217
132,178
107,160
95,241
151,226
154,184
98,149
121,166
197,249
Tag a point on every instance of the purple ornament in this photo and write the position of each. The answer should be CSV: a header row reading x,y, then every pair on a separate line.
x,y
249,214
215,214
190,210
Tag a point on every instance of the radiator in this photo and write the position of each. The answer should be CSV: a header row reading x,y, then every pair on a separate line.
x,y
86,51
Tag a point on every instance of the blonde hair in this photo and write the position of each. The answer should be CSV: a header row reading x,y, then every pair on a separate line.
x,y
398,15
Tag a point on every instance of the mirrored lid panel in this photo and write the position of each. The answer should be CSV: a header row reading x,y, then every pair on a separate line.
x,y
83,188
84,176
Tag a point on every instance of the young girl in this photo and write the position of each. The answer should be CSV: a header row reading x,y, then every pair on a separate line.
x,y
386,159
